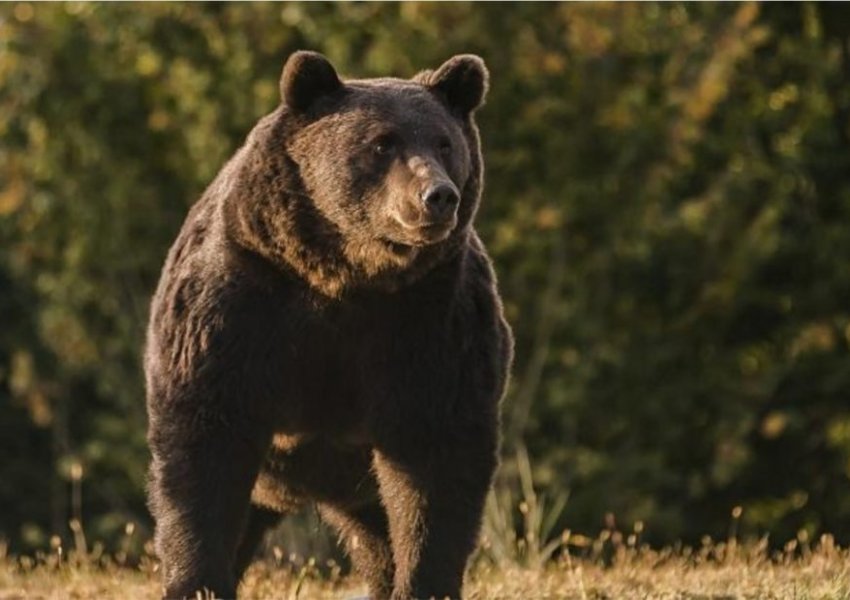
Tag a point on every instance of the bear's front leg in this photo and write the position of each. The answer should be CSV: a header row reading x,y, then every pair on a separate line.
x,y
434,492
201,482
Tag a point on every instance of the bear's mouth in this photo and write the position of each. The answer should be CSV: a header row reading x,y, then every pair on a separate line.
x,y
399,248
425,236
424,233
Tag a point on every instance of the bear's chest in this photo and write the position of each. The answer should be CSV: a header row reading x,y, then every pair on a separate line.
x,y
340,367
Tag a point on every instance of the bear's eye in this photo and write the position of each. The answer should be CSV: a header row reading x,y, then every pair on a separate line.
x,y
384,146
445,147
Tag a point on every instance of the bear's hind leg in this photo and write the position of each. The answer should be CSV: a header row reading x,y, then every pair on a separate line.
x,y
366,535
260,520
339,478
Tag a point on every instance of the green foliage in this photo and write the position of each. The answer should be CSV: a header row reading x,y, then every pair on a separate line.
x,y
667,199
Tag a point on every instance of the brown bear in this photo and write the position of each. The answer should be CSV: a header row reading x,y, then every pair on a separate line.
x,y
327,329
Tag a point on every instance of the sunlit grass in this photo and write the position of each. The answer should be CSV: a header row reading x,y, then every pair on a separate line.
x,y
522,555
609,566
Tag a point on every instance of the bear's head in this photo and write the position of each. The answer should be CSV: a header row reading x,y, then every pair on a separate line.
x,y
377,180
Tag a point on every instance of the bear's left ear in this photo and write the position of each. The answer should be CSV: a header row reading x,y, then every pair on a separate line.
x,y
307,76
462,81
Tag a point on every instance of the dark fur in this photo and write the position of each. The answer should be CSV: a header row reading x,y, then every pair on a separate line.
x,y
320,333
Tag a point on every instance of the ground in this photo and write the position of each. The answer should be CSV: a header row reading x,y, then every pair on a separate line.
x,y
713,572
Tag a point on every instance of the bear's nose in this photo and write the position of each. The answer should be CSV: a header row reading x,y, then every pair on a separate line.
x,y
440,199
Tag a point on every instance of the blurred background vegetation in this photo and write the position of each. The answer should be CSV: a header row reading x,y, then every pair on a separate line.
x,y
667,204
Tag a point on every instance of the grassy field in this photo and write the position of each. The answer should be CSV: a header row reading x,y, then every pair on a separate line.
x,y
611,569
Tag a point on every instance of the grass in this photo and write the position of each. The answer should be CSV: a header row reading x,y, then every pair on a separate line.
x,y
612,566
522,556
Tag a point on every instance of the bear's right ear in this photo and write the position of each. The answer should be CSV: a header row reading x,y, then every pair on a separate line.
x,y
307,76
462,81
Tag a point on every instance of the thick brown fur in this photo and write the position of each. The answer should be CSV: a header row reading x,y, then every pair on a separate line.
x,y
327,329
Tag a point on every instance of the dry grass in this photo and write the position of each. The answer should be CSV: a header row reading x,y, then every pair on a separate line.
x,y
714,571
522,556
721,571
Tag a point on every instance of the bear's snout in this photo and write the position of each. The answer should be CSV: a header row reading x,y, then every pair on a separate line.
x,y
440,201
429,216
428,212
